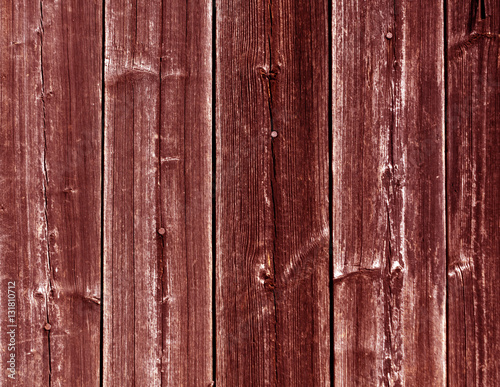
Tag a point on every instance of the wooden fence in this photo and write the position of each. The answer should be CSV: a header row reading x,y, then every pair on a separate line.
x,y
250,193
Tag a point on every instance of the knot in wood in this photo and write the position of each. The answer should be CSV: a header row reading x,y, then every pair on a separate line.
x,y
269,283
269,75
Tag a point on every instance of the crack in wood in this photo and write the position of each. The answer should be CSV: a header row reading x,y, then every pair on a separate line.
x,y
270,282
45,185
477,13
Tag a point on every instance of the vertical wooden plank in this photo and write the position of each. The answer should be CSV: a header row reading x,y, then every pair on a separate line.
x,y
362,78
23,226
473,170
388,193
186,192
51,145
417,186
272,193
157,246
71,47
132,244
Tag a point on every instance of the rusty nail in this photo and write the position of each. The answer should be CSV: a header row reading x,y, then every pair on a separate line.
x,y
161,231
47,327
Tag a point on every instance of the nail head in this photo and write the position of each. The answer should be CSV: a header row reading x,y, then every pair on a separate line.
x,y
47,327
274,134
161,231
389,35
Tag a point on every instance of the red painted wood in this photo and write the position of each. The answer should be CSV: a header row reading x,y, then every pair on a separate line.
x,y
473,168
22,217
186,193
272,194
51,188
411,194
157,215
388,199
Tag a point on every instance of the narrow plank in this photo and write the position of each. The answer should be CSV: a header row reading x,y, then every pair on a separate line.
x,y
388,203
51,82
157,216
272,298
473,170
362,76
132,245
23,226
186,192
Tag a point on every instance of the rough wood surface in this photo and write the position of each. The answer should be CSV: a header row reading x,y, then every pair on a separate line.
x,y
272,297
186,192
388,201
372,128
22,223
50,174
157,216
132,335
473,169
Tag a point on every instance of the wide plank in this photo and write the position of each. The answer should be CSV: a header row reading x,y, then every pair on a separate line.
x,y
23,225
388,196
157,203
51,187
272,267
71,47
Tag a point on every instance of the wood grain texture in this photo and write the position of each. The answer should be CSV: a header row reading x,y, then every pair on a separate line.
x,y
157,273
51,180
388,200
473,167
362,120
411,223
186,193
272,193
23,224
71,64
132,335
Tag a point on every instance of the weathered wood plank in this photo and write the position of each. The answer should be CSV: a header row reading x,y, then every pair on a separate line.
x,y
132,245
361,114
23,224
157,289
272,193
473,127
186,192
72,78
71,46
51,146
388,193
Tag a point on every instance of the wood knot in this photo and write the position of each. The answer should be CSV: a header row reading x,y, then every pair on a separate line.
x,y
269,75
269,283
